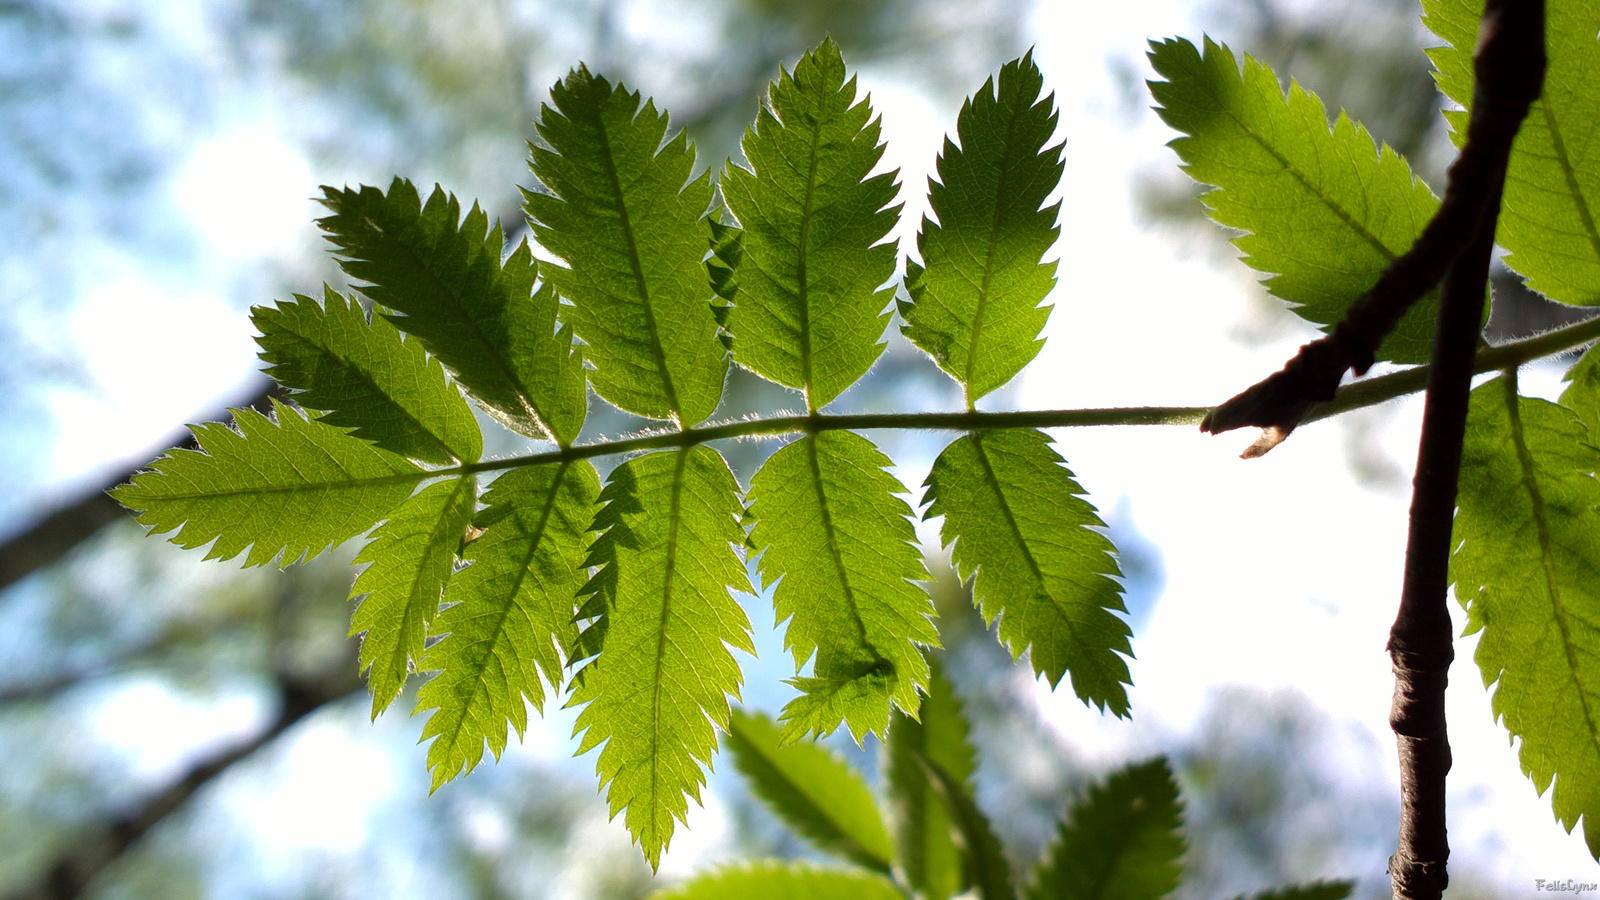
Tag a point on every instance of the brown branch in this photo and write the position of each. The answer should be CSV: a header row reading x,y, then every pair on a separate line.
x,y
49,538
87,855
1421,642
1510,72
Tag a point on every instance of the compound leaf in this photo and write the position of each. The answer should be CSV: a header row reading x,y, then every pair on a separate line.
x,y
1121,842
480,316
775,880
808,315
624,215
666,564
924,846
284,486
811,789
409,560
1021,528
975,298
1527,568
830,523
1547,220
513,608
367,377
1324,211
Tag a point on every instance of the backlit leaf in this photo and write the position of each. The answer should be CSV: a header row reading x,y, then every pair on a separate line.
x,y
924,844
774,880
1123,841
478,314
626,218
807,314
975,298
1323,211
661,683
811,789
512,613
281,486
367,378
1548,216
1527,568
1021,527
409,560
830,524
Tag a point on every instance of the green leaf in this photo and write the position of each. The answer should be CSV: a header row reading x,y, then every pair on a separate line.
x,y
666,565
513,609
924,847
480,316
830,523
1316,890
1325,212
367,378
808,315
774,880
409,560
983,863
811,789
975,298
1527,568
1582,395
624,215
1021,527
1547,220
280,486
1123,841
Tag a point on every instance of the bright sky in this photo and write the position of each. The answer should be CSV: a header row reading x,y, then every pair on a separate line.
x,y
1281,572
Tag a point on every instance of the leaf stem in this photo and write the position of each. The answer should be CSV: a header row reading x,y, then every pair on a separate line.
x,y
1369,392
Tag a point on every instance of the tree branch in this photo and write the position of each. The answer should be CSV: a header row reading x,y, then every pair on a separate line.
x,y
1511,47
48,539
71,872
1510,72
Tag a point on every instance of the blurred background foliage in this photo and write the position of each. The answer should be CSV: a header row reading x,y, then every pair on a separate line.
x,y
173,728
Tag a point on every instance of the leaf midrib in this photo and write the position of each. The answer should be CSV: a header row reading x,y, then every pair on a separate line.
x,y
1530,483
989,252
1327,201
1564,160
400,656
802,270
637,266
835,553
675,522
1022,541
505,610
529,405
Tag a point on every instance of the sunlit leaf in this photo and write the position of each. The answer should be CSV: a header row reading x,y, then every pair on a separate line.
x,y
409,560
366,378
666,564
1123,841
1552,189
811,789
808,315
512,613
1527,568
1022,529
624,215
830,524
1323,211
976,295
283,487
